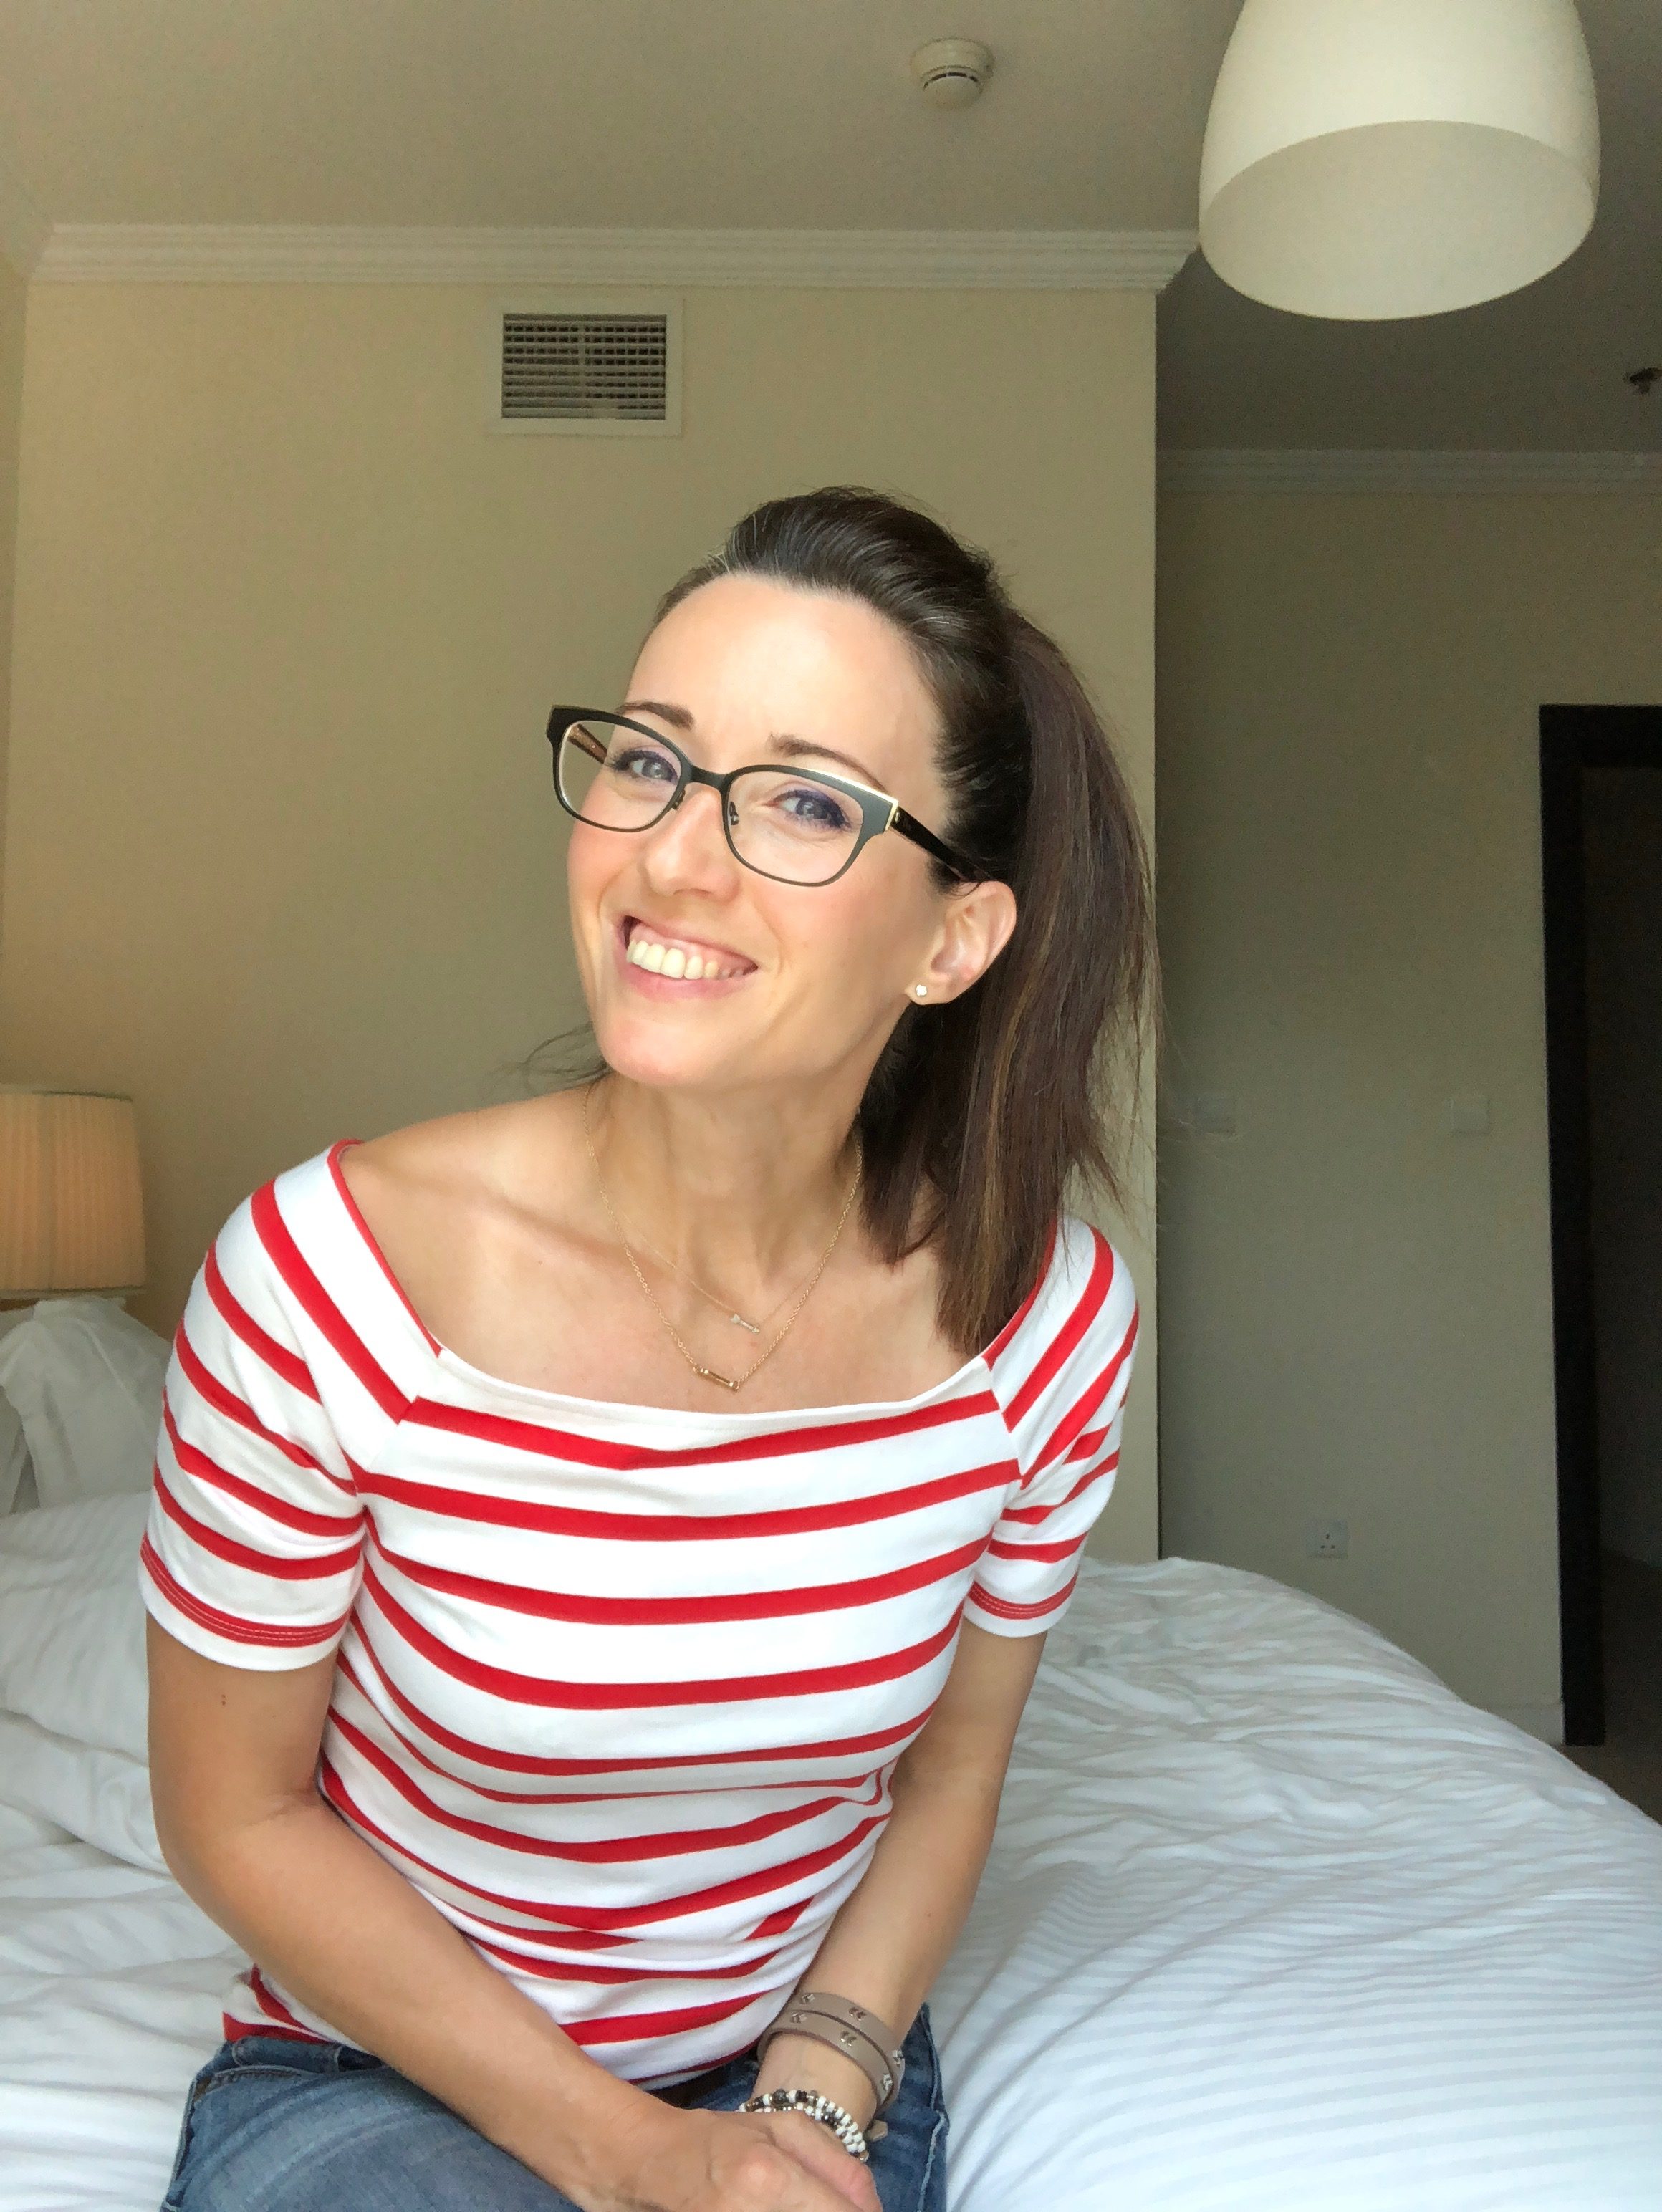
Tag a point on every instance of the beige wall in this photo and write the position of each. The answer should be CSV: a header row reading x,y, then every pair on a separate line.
x,y
13,297
284,859
1357,1316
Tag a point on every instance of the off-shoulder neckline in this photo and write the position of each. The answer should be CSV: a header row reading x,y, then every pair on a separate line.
x,y
612,1409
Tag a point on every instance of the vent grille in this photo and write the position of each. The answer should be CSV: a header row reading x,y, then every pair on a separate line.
x,y
585,368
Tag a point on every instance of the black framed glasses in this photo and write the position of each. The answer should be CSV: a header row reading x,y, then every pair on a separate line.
x,y
793,825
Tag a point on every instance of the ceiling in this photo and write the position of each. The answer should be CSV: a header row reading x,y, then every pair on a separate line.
x,y
800,114
719,113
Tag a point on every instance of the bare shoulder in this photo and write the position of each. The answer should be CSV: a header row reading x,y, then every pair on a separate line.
x,y
480,1220
510,1158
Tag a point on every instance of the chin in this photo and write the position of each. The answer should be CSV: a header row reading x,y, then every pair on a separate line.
x,y
650,1053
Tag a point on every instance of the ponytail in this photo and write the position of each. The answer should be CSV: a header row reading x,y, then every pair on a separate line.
x,y
980,1113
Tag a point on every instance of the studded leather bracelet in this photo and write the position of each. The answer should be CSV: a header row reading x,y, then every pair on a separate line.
x,y
854,2030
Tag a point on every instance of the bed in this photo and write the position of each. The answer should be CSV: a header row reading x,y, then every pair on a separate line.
x,y
1272,1920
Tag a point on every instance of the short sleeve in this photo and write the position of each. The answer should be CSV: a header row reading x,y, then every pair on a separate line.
x,y
251,1555
1061,1372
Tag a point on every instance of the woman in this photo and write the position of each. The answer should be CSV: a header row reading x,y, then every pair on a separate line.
x,y
602,1546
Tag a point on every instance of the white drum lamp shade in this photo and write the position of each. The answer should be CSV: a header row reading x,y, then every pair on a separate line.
x,y
71,1213
1371,159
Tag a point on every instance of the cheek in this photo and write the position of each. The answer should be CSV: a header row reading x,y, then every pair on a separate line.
x,y
860,939
591,861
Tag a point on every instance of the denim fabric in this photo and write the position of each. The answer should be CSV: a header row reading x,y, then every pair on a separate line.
x,y
274,2125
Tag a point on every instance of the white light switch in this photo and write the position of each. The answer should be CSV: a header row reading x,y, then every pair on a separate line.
x,y
1466,1114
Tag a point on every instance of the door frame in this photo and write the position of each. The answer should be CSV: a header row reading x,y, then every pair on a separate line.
x,y
1572,740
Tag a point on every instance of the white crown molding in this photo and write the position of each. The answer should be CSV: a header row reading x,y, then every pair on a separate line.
x,y
997,260
24,229
1247,468
1000,260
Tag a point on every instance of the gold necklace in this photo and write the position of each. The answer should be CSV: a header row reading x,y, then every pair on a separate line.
x,y
721,1305
711,1374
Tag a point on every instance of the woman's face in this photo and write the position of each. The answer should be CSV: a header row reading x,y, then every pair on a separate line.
x,y
807,982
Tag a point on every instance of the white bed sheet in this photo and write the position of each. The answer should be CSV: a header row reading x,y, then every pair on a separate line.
x,y
1273,1923
110,1988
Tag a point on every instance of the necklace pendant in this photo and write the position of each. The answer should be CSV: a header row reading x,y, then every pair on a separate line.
x,y
738,1320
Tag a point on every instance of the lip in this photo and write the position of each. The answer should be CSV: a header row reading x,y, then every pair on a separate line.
x,y
677,987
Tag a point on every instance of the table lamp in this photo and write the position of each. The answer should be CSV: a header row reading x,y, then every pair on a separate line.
x,y
72,1212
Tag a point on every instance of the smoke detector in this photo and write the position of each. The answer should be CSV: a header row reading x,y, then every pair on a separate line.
x,y
952,72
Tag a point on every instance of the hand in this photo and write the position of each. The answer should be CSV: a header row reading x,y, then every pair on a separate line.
x,y
812,2142
744,2162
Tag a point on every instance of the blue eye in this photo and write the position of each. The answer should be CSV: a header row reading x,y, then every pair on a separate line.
x,y
643,764
811,806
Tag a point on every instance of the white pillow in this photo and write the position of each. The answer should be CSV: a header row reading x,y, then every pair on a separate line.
x,y
14,1455
98,1796
72,1622
14,1445
85,1379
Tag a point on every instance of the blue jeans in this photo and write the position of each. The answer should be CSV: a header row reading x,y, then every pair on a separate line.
x,y
275,2125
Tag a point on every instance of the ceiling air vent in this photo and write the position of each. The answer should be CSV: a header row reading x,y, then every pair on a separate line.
x,y
604,371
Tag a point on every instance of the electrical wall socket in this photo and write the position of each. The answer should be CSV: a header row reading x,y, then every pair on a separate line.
x,y
1327,1539
1466,1114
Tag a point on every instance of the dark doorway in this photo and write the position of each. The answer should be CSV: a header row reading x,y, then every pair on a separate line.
x,y
1601,789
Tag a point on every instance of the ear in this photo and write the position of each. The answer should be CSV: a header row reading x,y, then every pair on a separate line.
x,y
974,930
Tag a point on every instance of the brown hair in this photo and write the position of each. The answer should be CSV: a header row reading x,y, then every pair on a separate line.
x,y
979,1113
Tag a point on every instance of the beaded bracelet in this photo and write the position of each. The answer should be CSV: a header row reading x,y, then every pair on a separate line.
x,y
842,2124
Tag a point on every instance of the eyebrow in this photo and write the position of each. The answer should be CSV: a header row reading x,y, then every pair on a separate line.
x,y
677,717
791,747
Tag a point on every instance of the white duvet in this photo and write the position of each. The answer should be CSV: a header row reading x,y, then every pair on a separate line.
x,y
1273,1923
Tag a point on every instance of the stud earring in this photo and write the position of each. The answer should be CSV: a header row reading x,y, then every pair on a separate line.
x,y
922,990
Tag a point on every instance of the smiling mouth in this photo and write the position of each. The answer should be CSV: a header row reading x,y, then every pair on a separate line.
x,y
680,959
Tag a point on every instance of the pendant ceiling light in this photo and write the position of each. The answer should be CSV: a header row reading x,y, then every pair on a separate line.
x,y
1369,159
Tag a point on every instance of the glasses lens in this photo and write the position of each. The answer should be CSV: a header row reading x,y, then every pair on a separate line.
x,y
614,776
793,827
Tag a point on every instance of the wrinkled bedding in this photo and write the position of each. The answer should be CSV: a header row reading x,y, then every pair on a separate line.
x,y
1273,1923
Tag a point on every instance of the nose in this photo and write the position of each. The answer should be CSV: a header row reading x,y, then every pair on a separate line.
x,y
688,850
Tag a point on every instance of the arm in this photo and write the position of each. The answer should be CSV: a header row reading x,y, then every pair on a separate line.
x,y
893,1935
1062,1378
249,1568
234,1753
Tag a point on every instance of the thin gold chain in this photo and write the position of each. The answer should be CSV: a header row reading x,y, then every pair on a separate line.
x,y
721,1305
711,1374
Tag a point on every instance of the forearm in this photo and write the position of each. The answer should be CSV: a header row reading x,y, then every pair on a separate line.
x,y
893,1935
355,1941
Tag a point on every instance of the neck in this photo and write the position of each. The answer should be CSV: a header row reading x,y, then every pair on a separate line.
x,y
741,1193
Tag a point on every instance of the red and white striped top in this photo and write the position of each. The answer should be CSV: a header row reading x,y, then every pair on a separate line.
x,y
618,1688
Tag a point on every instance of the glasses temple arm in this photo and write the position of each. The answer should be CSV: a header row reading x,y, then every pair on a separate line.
x,y
562,726
909,826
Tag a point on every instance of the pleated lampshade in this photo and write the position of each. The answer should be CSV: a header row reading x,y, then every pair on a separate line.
x,y
71,1211
1371,159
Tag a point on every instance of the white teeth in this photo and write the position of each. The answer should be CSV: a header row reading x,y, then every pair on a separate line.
x,y
670,960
